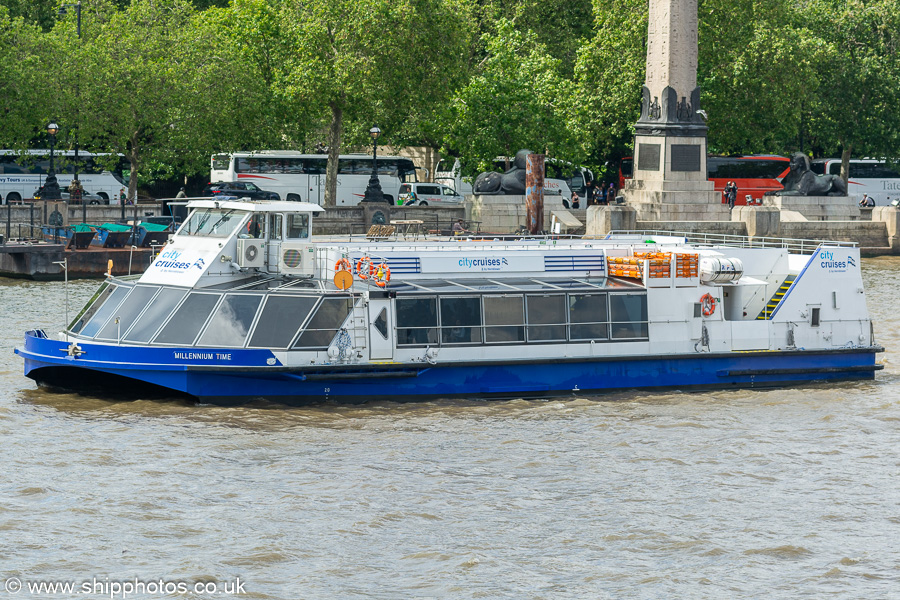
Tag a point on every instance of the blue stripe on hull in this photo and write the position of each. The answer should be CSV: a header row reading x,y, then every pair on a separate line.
x,y
46,362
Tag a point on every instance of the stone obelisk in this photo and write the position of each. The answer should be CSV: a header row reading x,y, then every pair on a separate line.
x,y
670,181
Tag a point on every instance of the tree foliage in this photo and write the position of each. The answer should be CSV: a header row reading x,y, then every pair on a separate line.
x,y
170,82
517,99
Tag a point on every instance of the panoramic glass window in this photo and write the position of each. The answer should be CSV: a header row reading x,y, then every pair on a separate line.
x,y
127,312
280,321
628,315
417,321
185,324
211,222
461,320
156,313
504,319
104,311
321,329
546,317
231,321
92,306
588,318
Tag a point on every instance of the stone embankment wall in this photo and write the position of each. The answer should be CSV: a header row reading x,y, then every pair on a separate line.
x,y
881,235
507,214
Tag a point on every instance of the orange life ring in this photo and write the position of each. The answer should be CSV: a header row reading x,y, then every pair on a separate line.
x,y
362,270
708,303
381,275
343,265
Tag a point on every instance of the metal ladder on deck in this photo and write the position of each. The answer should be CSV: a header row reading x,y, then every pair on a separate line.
x,y
767,311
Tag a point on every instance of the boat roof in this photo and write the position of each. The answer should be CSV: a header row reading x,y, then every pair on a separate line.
x,y
261,206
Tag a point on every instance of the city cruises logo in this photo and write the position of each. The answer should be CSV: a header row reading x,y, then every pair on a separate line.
x,y
174,261
487,263
832,264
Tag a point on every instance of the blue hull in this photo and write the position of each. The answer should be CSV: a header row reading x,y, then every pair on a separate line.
x,y
237,376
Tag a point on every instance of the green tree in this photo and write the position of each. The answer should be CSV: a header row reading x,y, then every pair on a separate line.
x,y
25,106
856,109
757,74
517,99
371,61
135,73
609,74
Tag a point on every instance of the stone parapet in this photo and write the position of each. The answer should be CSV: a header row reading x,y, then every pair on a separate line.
x,y
713,228
759,221
867,234
508,213
603,219
817,208
890,217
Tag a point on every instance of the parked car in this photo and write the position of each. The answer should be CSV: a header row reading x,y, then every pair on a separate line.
x,y
423,194
241,189
87,197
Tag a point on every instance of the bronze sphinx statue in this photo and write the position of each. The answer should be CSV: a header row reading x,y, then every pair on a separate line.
x,y
801,181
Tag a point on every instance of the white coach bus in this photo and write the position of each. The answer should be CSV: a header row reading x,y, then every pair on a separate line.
x,y
877,178
300,177
23,173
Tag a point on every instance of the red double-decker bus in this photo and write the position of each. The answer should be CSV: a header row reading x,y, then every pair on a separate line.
x,y
753,175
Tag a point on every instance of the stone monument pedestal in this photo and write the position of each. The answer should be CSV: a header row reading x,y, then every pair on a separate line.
x,y
508,213
817,208
660,200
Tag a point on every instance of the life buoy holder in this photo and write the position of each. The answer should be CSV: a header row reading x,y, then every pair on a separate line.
x,y
381,275
708,305
364,268
343,265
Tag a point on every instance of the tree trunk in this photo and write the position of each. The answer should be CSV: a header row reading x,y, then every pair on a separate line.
x,y
845,163
334,150
133,155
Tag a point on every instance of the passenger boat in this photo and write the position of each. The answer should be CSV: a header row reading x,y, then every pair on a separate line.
x,y
242,304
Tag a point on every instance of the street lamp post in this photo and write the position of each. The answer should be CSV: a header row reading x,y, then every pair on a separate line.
x,y
373,190
62,12
51,187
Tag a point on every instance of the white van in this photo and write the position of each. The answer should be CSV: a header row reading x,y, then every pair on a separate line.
x,y
427,193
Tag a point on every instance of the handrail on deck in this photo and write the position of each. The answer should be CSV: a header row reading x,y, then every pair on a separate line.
x,y
792,245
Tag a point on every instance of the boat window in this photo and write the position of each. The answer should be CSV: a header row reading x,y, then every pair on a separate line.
x,y
588,318
212,222
275,222
504,319
231,321
298,226
93,305
546,317
280,320
461,320
128,312
381,323
103,312
417,321
321,329
628,315
156,313
185,324
254,228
